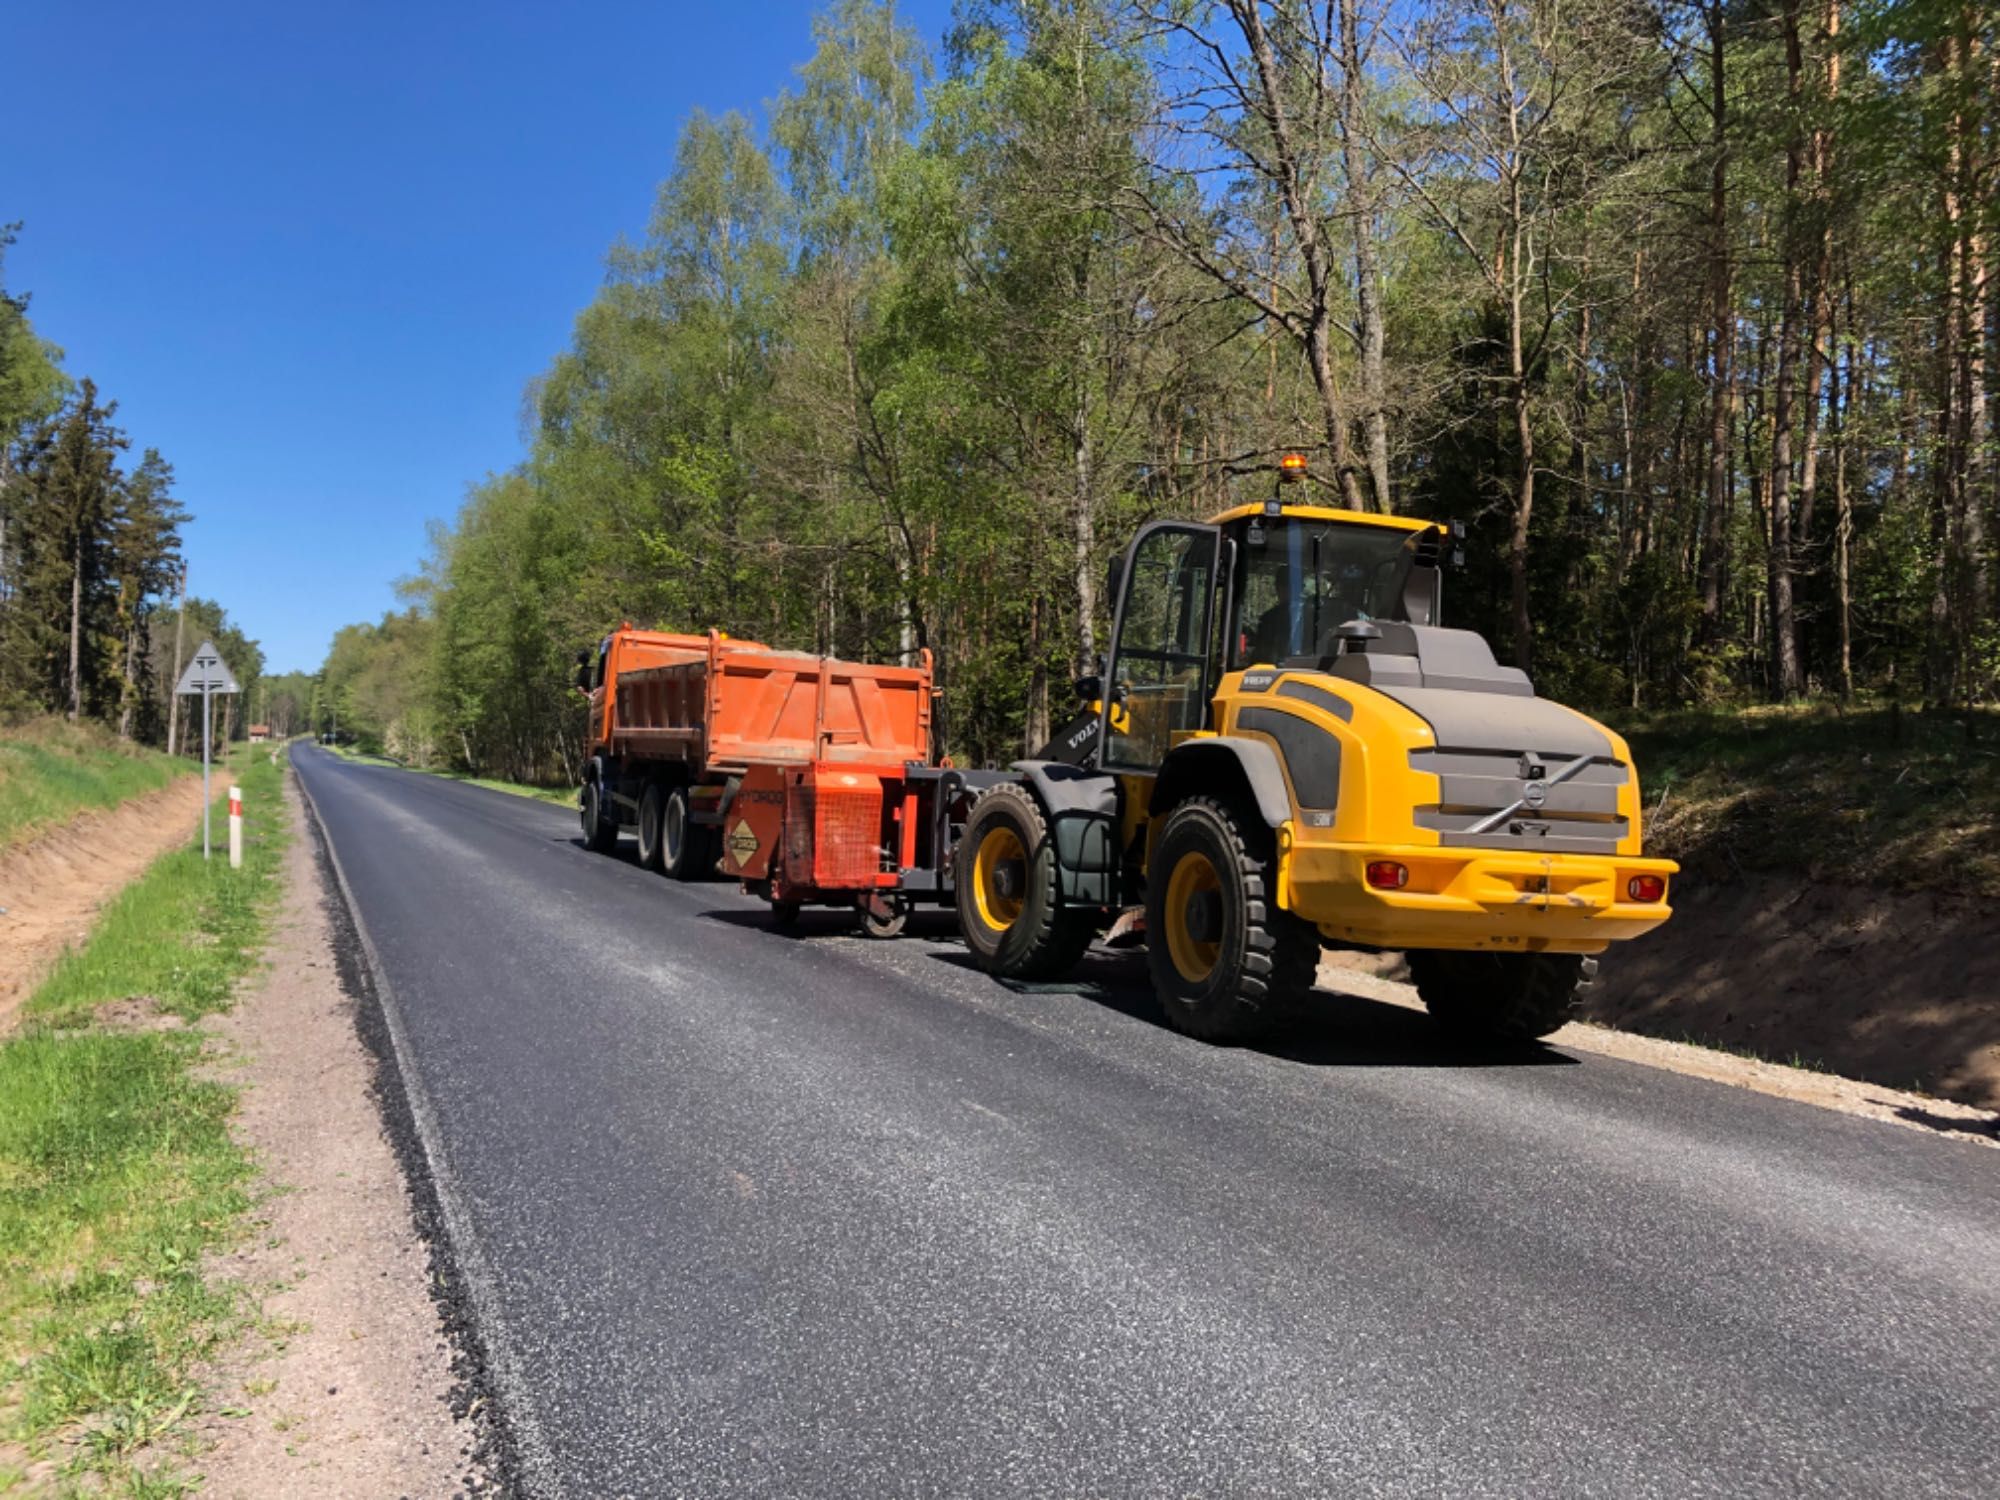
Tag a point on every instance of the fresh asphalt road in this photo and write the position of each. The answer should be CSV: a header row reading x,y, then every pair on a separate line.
x,y
750,1212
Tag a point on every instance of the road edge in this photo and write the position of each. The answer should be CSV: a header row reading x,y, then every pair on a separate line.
x,y
506,1437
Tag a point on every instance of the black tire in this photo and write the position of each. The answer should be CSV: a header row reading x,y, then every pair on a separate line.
x,y
681,841
600,829
709,850
886,927
652,810
784,914
1516,997
1008,905
1227,964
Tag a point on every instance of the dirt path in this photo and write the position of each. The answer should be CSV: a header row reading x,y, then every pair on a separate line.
x,y
52,886
1901,988
352,1394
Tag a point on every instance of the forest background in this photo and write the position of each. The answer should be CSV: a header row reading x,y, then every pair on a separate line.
x,y
1685,309
96,622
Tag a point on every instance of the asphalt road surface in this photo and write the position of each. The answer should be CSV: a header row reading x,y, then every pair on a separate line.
x,y
747,1212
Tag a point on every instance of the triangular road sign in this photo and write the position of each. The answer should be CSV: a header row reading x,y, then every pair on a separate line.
x,y
207,670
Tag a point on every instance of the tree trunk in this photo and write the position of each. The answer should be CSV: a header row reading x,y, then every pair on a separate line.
x,y
76,631
1969,304
1840,402
1304,217
1084,531
1367,264
1721,343
1524,506
1786,680
173,687
1820,294
1035,732
129,695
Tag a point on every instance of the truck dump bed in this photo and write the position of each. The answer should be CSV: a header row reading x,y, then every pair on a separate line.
x,y
739,704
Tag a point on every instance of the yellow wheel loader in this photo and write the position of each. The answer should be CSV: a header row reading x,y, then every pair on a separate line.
x,y
1288,750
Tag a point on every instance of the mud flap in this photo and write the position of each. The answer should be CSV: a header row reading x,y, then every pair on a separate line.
x,y
1082,809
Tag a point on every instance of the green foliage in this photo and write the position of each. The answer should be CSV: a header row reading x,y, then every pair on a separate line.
x,y
32,383
1869,796
51,770
90,555
117,1170
900,370
185,933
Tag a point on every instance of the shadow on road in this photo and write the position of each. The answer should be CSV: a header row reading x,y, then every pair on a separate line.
x,y
820,922
1950,1124
1335,1031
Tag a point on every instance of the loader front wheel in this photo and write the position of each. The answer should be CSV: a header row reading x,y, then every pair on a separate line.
x,y
1008,905
1228,965
1516,997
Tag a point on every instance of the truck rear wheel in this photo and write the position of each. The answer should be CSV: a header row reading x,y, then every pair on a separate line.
x,y
1227,963
1008,906
1516,997
681,841
652,814
600,828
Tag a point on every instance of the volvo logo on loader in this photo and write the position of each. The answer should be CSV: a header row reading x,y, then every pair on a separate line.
x,y
1535,793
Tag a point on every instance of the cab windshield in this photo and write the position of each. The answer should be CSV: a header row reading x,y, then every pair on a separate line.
x,y
1308,578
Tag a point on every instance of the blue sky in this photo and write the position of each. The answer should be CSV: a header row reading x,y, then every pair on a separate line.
x,y
315,251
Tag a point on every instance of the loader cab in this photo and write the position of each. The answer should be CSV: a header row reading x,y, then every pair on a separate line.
x,y
1260,585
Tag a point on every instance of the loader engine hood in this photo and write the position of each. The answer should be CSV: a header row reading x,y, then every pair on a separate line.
x,y
1514,771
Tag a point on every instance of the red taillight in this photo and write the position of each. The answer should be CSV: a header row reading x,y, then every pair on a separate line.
x,y
1647,888
1387,875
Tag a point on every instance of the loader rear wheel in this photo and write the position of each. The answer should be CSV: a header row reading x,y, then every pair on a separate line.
x,y
1517,997
1227,964
600,830
681,841
1008,906
652,812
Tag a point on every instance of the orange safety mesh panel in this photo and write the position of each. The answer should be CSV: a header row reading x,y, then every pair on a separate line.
x,y
834,830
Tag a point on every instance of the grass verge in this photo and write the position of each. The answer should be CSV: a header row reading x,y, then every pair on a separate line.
x,y
556,795
50,770
118,1172
1865,796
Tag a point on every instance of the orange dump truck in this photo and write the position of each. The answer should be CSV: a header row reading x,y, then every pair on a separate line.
x,y
806,777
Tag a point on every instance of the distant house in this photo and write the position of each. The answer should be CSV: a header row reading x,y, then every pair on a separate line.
x,y
259,733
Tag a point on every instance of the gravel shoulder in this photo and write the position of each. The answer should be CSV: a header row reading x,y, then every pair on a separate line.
x,y
347,1388
1379,978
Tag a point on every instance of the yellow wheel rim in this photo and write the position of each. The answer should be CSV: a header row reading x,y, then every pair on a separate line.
x,y
1193,878
1001,847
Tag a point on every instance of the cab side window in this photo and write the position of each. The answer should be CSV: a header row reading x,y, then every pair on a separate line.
x,y
1159,665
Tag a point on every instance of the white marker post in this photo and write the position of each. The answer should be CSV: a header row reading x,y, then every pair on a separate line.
x,y
208,674
236,828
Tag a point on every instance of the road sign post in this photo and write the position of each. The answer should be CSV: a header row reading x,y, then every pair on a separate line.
x,y
208,675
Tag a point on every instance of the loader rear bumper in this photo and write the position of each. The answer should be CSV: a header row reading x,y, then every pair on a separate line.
x,y
1471,898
